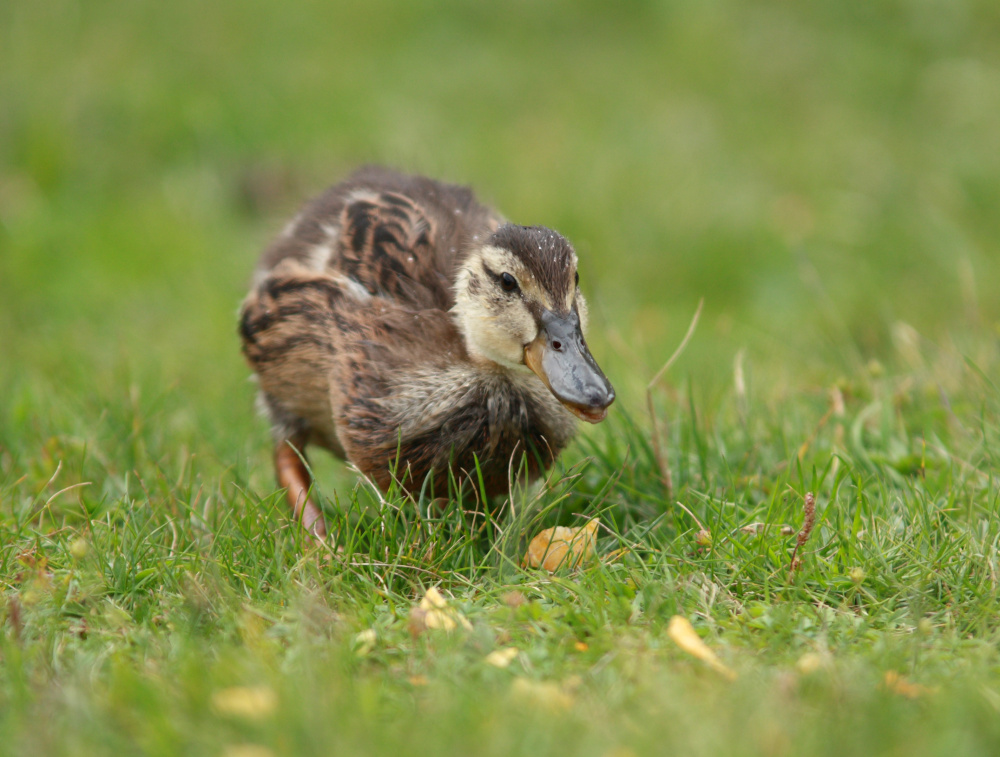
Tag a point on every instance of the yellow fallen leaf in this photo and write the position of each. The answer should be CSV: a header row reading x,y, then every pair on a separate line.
x,y
572,683
543,694
248,702
433,600
501,658
898,684
810,662
440,619
560,547
246,750
434,612
364,642
683,635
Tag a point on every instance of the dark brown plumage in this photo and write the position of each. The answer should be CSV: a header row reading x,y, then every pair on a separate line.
x,y
391,322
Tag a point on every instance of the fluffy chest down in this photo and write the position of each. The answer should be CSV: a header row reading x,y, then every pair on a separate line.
x,y
444,423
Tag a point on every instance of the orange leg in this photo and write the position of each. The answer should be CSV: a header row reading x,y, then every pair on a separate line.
x,y
293,475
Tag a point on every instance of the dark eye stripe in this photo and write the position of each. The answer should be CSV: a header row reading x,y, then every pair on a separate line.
x,y
506,282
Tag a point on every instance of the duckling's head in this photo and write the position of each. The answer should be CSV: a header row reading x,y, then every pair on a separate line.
x,y
518,303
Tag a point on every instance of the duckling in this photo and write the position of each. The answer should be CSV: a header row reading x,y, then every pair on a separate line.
x,y
412,331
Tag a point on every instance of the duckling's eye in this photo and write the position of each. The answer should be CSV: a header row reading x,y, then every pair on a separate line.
x,y
576,278
507,282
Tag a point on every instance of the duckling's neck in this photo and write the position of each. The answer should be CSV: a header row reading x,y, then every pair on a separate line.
x,y
491,368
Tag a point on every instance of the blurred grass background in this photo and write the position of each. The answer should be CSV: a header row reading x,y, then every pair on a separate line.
x,y
816,171
826,175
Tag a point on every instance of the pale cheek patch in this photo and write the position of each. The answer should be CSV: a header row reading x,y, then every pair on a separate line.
x,y
523,325
492,324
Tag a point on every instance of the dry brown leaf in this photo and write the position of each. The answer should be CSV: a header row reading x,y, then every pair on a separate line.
x,y
683,635
514,599
418,622
560,546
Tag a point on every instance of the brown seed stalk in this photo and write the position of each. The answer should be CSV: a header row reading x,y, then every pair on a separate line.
x,y
808,523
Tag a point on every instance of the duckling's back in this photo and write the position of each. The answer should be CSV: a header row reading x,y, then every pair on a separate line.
x,y
395,235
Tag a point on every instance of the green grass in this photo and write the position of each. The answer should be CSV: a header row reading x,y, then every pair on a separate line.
x,y
824,175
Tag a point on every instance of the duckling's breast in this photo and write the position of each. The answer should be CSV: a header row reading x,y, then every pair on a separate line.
x,y
462,424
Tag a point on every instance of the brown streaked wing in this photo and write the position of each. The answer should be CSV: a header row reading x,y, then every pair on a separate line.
x,y
386,244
